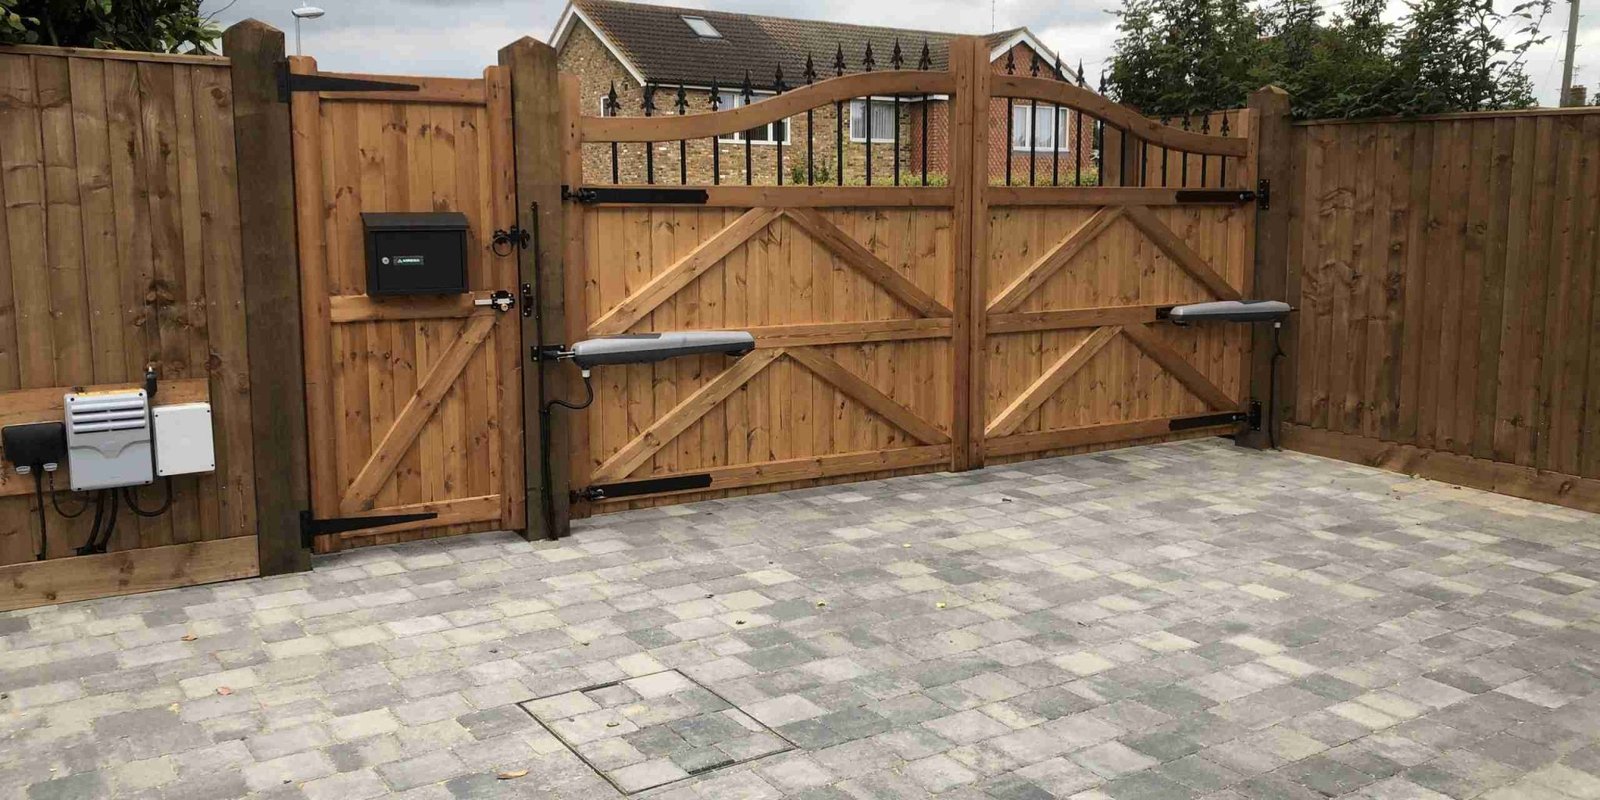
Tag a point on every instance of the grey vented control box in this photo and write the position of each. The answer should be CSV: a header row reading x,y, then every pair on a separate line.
x,y
643,348
108,439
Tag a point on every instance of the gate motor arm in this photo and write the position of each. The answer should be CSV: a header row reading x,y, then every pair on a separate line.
x,y
639,348
1243,311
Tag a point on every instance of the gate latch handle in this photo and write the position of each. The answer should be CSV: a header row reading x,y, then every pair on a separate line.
x,y
501,300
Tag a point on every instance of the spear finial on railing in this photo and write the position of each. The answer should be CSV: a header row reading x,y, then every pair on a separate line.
x,y
1102,81
867,61
683,99
811,70
748,92
896,58
1186,120
925,61
1205,124
1011,62
1059,76
778,86
716,95
1224,124
838,60
649,104
1033,65
612,105
1082,84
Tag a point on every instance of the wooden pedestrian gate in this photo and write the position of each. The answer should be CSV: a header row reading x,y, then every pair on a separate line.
x,y
901,328
414,404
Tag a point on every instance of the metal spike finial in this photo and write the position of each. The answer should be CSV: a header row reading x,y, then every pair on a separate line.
x,y
682,100
778,85
925,61
811,70
716,95
611,100
867,61
1059,76
1033,65
1011,62
1186,120
748,91
897,59
1205,124
838,60
1102,81
1224,124
1081,82
649,104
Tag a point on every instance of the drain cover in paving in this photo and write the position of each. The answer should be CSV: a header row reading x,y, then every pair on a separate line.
x,y
652,730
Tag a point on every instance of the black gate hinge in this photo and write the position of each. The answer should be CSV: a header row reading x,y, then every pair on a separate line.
x,y
579,195
289,83
1264,194
311,528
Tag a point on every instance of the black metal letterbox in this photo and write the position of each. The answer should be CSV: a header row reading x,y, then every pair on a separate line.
x,y
416,253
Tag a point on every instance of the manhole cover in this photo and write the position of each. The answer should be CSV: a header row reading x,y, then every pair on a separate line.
x,y
650,731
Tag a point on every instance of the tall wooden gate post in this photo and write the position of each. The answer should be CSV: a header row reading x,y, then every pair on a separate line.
x,y
271,292
1270,132
969,61
541,127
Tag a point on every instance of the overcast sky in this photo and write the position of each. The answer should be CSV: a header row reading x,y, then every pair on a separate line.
x,y
460,37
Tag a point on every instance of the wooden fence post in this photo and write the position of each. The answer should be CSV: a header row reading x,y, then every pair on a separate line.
x,y
541,141
1270,134
969,62
271,293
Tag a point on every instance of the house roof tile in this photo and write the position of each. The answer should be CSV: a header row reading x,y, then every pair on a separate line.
x,y
658,42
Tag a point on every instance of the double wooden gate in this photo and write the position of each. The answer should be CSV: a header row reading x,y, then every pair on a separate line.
x,y
904,328
414,404
898,328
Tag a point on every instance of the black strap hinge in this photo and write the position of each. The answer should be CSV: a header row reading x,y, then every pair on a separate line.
x,y
289,83
644,195
1214,196
311,528
613,491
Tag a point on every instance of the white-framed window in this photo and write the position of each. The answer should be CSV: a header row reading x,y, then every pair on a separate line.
x,y
882,121
771,133
1041,134
702,27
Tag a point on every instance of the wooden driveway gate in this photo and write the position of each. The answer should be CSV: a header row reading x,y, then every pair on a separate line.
x,y
414,404
899,328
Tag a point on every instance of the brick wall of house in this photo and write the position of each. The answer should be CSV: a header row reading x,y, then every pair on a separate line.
x,y
583,54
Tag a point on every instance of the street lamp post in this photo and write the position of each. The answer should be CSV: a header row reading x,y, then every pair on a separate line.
x,y
304,12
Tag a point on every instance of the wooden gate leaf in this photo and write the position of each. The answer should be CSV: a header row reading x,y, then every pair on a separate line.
x,y
856,255
642,447
1052,380
409,422
1180,252
1059,256
868,395
673,279
1172,362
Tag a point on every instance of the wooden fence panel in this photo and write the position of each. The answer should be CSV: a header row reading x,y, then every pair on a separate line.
x,y
1446,273
119,247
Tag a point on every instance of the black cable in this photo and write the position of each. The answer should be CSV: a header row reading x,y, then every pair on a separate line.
x,y
588,388
1272,385
111,524
130,496
55,501
44,534
91,544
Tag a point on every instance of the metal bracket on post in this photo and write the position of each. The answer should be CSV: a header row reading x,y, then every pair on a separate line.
x,y
1264,194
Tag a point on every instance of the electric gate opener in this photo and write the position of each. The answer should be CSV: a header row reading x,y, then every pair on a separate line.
x,y
1240,311
639,348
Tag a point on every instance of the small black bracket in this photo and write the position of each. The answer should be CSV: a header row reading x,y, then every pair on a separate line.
x,y
613,491
547,352
310,527
1255,415
578,195
289,83
1264,194
527,300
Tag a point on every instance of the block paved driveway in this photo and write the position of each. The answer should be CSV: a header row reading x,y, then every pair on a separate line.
x,y
1188,620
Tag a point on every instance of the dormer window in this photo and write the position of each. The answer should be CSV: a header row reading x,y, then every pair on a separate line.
x,y
702,28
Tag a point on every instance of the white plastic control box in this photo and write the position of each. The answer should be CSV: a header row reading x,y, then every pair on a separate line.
x,y
183,439
108,439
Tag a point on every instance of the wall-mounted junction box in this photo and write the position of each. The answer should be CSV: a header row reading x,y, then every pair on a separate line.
x,y
416,252
108,439
184,443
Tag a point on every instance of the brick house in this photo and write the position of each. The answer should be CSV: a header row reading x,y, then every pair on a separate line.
x,y
627,47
